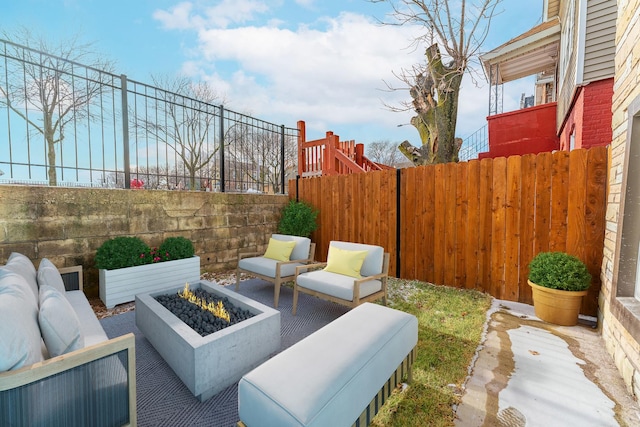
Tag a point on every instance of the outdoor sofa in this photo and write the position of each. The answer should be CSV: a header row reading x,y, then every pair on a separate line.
x,y
57,365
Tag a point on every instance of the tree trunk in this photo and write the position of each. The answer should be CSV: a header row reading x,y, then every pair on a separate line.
x,y
435,99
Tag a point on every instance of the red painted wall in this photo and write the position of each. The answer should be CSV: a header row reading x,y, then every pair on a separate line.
x,y
589,119
527,131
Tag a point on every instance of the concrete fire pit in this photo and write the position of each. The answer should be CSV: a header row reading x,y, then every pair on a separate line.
x,y
207,365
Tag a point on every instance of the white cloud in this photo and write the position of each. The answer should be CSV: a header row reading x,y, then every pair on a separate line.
x,y
330,72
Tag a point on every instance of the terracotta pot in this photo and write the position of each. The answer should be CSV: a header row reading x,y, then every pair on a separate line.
x,y
557,306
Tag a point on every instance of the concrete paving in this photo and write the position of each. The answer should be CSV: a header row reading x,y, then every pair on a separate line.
x,y
531,373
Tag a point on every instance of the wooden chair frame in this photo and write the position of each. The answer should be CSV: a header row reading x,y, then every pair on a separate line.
x,y
278,280
382,293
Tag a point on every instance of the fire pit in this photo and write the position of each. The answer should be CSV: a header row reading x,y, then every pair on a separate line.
x,y
209,364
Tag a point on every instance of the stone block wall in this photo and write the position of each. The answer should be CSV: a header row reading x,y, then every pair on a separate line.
x,y
67,225
619,328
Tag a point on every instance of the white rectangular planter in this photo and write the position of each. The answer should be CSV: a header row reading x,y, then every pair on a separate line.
x,y
122,285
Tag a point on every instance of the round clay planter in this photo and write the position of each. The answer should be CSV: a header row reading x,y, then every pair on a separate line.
x,y
556,306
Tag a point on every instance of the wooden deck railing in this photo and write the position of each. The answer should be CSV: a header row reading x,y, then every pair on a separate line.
x,y
330,156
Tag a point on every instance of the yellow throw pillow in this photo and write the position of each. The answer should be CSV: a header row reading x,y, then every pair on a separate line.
x,y
280,250
342,261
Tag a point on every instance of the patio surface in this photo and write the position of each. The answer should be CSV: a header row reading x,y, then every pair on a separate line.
x,y
530,373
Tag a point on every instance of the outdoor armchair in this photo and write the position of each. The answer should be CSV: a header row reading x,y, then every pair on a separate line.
x,y
354,273
275,265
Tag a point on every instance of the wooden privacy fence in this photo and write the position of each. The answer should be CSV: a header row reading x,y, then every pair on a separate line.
x,y
473,225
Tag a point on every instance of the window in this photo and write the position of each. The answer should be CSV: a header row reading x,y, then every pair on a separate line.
x,y
625,298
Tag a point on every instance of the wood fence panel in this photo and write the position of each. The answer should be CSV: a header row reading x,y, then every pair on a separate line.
x,y
409,250
498,196
484,229
543,201
440,225
461,224
450,224
527,223
388,237
559,193
426,240
473,224
512,229
597,170
577,204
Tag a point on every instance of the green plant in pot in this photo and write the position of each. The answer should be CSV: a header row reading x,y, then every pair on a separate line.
x,y
298,219
121,252
558,282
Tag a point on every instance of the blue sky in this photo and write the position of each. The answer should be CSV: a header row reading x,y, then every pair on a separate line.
x,y
321,61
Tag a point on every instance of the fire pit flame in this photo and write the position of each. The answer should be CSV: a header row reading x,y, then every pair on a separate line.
x,y
217,310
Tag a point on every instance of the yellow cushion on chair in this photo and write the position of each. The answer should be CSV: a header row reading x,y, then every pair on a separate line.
x,y
280,250
342,261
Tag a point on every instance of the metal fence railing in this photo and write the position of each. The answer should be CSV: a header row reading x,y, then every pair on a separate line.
x,y
67,124
477,142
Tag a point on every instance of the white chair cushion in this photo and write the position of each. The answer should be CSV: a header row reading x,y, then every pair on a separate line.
x,y
336,285
59,325
23,266
49,275
20,340
301,250
372,264
267,266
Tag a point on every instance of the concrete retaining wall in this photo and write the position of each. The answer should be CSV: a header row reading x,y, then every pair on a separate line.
x,y
67,225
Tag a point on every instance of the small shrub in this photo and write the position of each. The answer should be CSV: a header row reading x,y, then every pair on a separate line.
x,y
559,270
121,252
298,219
175,248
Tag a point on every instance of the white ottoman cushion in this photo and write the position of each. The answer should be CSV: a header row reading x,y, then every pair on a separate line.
x,y
328,378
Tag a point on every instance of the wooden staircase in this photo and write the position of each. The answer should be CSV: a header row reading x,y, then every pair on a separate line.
x,y
330,156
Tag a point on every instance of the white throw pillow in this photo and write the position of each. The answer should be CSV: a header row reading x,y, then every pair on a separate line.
x,y
49,275
20,340
59,324
23,266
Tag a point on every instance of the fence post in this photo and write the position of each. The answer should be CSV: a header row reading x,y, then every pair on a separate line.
x,y
302,166
282,168
222,169
125,132
398,222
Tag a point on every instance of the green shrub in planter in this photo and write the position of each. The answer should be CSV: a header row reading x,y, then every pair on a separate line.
x,y
121,252
559,270
298,219
176,248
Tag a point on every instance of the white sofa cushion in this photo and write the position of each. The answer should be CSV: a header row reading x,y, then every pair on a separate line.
x,y
267,266
20,340
59,323
23,266
337,285
328,378
49,275
89,324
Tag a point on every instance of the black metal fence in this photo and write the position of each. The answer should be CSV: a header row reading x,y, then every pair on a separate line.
x,y
474,144
67,124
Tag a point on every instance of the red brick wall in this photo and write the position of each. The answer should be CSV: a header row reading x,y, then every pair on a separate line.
x,y
590,117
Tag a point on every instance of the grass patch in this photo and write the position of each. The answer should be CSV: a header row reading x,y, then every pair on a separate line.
x,y
450,324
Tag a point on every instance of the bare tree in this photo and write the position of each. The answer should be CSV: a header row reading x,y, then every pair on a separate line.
x,y
454,34
257,152
385,152
185,121
49,89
